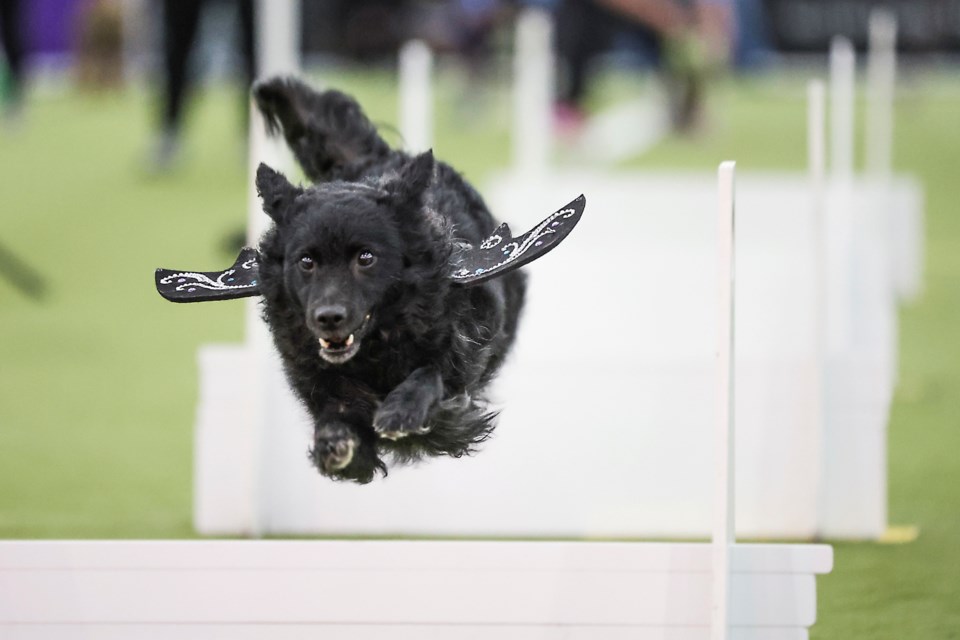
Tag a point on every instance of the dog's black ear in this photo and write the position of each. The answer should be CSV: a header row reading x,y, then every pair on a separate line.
x,y
414,179
276,192
419,172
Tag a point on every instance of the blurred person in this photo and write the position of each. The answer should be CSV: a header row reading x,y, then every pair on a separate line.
x,y
475,22
474,27
684,37
181,19
467,30
371,30
11,35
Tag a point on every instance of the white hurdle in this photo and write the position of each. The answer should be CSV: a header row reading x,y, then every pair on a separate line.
x,y
429,590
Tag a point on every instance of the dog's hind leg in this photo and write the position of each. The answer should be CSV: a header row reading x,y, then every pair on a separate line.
x,y
327,131
454,427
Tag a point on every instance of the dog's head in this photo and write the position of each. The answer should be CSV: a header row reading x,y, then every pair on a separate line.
x,y
345,249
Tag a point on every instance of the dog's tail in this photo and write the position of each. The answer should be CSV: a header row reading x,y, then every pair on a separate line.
x,y
327,131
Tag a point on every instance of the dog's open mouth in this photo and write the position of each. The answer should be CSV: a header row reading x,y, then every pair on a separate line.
x,y
339,350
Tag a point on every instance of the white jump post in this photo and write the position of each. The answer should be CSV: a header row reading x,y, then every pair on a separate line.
x,y
817,161
816,140
723,498
533,83
842,95
416,96
881,81
278,52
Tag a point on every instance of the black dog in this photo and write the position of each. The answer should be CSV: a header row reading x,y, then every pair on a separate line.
x,y
387,354
391,296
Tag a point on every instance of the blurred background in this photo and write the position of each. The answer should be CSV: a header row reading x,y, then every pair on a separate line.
x,y
123,147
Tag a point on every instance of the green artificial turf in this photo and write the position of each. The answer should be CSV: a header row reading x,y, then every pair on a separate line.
x,y
98,378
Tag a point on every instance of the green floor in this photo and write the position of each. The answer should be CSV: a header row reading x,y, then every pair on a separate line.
x,y
98,378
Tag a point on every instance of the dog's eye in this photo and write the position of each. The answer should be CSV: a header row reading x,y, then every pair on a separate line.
x,y
306,263
366,258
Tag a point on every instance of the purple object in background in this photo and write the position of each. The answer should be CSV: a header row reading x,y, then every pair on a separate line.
x,y
51,25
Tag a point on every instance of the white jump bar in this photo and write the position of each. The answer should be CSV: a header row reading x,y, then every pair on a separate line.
x,y
456,583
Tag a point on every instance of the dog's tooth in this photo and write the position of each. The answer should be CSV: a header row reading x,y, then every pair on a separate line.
x,y
324,343
350,340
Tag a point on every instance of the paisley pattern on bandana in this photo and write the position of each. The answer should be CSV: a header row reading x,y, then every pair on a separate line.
x,y
495,257
240,280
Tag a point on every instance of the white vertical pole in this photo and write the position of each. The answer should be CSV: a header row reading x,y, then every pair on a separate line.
x,y
816,135
817,158
881,80
277,35
277,31
723,481
416,96
842,95
533,83
842,232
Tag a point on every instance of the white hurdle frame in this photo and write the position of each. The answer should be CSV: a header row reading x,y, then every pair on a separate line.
x,y
431,590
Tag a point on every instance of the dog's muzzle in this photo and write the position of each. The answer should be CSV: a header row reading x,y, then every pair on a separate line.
x,y
336,348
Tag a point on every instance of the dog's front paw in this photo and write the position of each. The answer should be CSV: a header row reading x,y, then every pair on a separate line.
x,y
333,448
396,419
341,453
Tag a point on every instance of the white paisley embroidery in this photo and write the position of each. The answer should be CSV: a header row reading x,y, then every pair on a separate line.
x,y
491,242
518,249
203,281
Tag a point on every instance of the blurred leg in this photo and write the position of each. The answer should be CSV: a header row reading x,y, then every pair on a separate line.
x,y
248,52
180,20
12,37
665,17
248,41
583,30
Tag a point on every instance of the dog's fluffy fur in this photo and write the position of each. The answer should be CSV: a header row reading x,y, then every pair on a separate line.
x,y
388,355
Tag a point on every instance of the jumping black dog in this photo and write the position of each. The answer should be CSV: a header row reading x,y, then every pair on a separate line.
x,y
391,293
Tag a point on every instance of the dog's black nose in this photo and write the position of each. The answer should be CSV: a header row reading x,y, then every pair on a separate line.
x,y
330,317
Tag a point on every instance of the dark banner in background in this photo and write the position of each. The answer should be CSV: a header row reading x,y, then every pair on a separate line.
x,y
808,25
